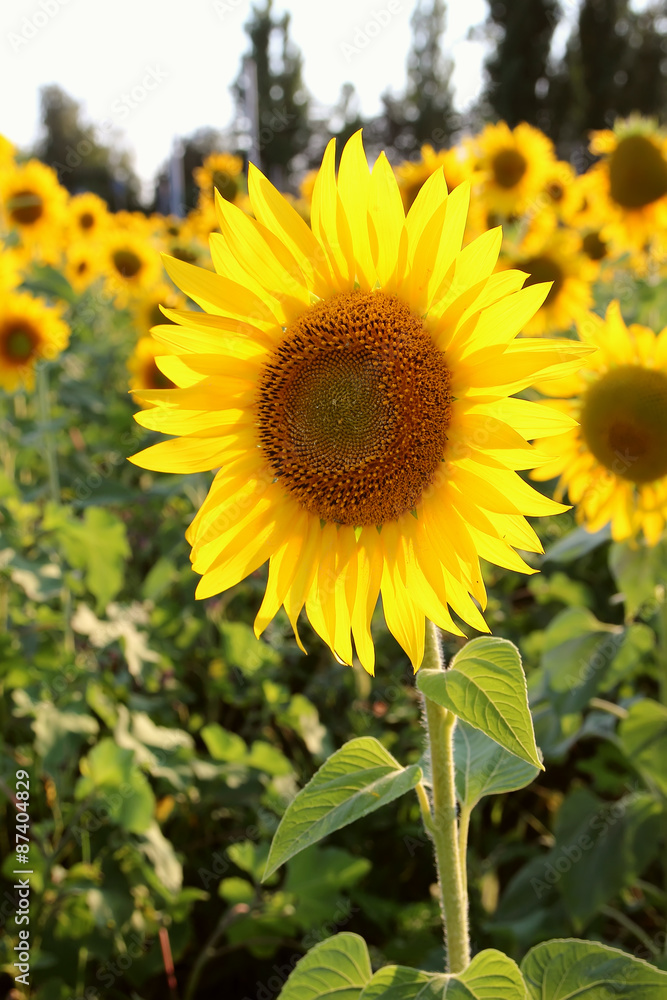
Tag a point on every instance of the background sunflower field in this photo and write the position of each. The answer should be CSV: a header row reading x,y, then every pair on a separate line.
x,y
162,740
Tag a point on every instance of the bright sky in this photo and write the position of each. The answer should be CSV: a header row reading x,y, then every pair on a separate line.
x,y
148,70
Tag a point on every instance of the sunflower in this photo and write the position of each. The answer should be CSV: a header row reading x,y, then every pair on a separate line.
x,y
512,167
221,172
147,310
632,179
560,192
613,465
351,383
33,204
411,175
143,366
549,253
88,216
132,266
30,331
84,263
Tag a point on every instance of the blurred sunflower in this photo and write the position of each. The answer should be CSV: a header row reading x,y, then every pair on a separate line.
x,y
632,178
411,175
512,166
147,312
84,263
143,366
33,204
613,466
561,194
30,331
132,266
221,172
88,216
554,254
351,385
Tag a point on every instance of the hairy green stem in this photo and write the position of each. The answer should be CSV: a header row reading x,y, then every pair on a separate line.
x,y
445,832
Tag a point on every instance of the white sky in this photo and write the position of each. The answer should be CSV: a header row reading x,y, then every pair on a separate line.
x,y
188,52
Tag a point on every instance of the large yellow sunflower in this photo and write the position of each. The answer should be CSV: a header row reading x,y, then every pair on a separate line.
x,y
613,465
33,204
351,383
632,177
30,331
512,166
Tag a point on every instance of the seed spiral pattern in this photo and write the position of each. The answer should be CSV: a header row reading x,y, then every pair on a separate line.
x,y
353,409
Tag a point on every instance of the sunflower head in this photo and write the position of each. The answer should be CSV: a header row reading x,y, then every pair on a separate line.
x,y
351,383
614,464
632,178
33,205
513,166
30,331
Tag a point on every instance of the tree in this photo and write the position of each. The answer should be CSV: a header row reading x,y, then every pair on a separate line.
x,y
612,67
74,150
282,112
425,112
517,70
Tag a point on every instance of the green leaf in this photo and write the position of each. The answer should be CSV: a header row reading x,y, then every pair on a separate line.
x,y
96,544
601,848
336,968
356,780
638,570
317,877
564,969
486,687
223,745
644,741
110,774
490,976
575,544
483,767
46,280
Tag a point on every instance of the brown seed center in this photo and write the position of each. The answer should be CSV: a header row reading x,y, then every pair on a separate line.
x,y
127,263
624,422
26,207
637,172
509,166
353,409
18,342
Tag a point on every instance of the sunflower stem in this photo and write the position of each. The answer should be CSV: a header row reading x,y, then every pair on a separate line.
x,y
440,725
49,443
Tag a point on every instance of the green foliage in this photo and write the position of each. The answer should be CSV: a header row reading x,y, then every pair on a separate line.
x,y
339,967
559,970
356,780
490,976
485,686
